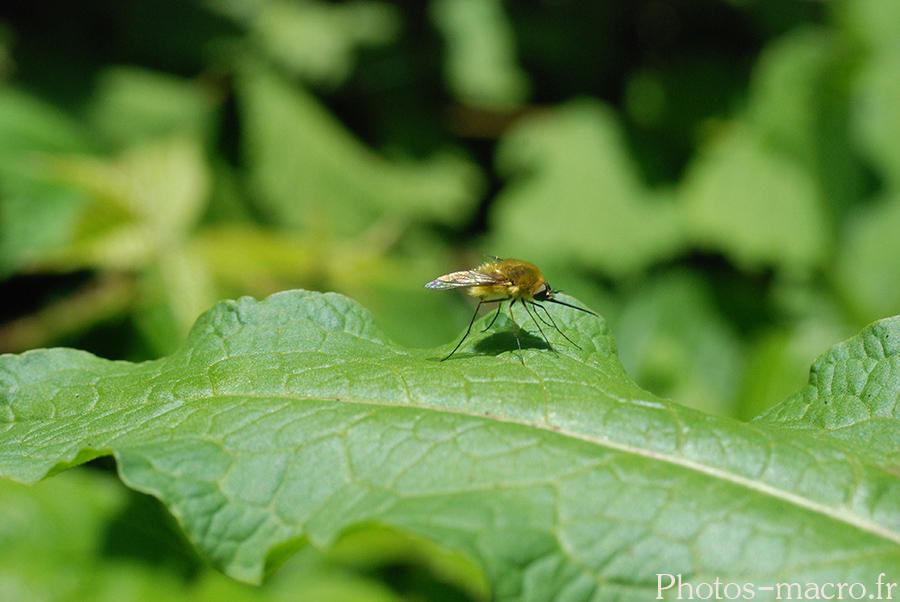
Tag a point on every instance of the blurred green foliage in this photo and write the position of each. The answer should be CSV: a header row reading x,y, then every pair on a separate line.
x,y
82,535
720,179
366,147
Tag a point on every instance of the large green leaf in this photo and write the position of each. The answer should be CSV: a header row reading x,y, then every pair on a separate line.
x,y
293,419
852,394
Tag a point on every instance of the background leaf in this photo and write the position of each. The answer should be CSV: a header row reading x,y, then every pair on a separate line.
x,y
574,189
870,242
82,534
315,40
755,206
337,185
133,106
671,339
481,64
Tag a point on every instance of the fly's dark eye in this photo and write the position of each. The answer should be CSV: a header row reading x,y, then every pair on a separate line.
x,y
543,293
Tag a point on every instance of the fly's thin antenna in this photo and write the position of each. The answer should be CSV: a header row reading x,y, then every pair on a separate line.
x,y
587,311
469,329
553,322
536,323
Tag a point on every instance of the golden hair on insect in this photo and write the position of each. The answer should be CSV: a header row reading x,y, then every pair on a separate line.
x,y
510,280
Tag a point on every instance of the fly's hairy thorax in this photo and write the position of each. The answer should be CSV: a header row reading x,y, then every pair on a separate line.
x,y
515,280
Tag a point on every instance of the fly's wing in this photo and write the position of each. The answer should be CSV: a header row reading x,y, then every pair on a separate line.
x,y
466,279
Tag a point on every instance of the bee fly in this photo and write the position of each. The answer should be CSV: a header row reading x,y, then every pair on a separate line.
x,y
506,280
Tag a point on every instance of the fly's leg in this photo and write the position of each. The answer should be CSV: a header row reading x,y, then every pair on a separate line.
x,y
516,332
536,323
494,319
469,329
552,323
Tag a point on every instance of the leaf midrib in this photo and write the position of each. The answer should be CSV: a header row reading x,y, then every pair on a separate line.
x,y
755,485
760,487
